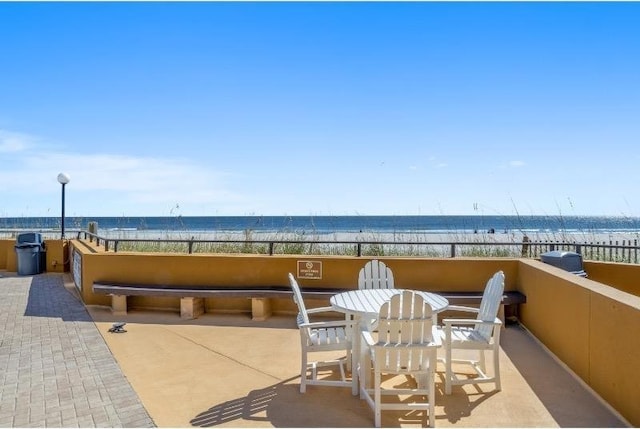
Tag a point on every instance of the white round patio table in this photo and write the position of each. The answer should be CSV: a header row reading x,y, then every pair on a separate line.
x,y
365,304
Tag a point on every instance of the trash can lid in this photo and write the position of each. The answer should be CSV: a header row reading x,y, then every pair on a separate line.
x,y
560,254
29,237
28,245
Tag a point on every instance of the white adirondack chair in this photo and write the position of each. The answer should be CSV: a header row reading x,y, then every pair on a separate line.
x,y
481,333
375,275
407,345
321,337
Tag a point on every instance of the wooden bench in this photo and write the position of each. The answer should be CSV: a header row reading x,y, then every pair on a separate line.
x,y
508,307
192,297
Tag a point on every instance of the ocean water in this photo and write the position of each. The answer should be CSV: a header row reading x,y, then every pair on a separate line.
x,y
336,224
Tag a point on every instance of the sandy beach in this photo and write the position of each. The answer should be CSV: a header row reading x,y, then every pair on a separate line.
x,y
409,237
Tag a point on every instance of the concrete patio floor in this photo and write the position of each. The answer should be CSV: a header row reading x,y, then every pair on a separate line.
x,y
60,367
227,370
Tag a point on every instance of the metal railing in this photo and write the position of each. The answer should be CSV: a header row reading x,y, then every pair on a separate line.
x,y
626,251
47,234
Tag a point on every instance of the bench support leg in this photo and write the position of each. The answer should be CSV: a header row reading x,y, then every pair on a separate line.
x,y
119,305
260,308
191,308
501,316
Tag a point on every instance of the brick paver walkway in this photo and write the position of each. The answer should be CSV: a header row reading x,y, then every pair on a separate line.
x,y
55,368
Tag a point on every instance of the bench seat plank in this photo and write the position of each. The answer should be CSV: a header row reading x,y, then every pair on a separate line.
x,y
192,297
192,304
209,291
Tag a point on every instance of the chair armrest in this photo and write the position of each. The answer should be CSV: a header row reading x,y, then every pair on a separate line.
x,y
319,310
449,322
367,338
436,340
328,324
462,308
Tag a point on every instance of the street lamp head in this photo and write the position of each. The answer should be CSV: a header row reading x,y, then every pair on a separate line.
x,y
63,178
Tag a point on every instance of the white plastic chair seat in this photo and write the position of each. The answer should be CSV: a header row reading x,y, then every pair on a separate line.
x,y
322,337
480,333
465,334
407,344
327,335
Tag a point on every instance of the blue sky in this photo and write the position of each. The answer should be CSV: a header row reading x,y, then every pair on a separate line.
x,y
320,108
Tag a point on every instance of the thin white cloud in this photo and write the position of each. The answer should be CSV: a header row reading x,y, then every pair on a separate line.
x,y
516,164
146,177
11,142
109,180
436,163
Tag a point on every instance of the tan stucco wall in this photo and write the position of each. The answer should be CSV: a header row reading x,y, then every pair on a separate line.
x,y
57,256
445,274
623,276
615,351
8,255
238,270
591,327
260,270
557,312
56,251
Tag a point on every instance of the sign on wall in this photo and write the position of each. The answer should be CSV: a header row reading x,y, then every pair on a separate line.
x,y
309,269
77,269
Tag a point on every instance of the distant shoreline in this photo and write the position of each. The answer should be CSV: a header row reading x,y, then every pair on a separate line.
x,y
498,237
406,228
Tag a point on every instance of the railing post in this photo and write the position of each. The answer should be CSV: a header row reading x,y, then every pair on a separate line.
x,y
453,250
115,246
271,248
359,249
578,249
525,246
106,245
190,246
93,229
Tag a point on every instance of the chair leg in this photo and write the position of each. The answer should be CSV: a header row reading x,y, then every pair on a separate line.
x,y
496,367
377,399
432,394
365,372
303,373
343,376
482,361
448,370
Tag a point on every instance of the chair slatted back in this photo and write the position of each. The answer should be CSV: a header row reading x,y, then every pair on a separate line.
x,y
375,275
490,304
405,324
303,317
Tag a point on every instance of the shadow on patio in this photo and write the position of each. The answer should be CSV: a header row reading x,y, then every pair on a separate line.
x,y
225,370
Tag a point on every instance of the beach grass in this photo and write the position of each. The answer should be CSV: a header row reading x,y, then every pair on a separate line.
x,y
596,246
371,245
382,244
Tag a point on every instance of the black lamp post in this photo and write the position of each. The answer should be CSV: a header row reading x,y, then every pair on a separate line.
x,y
63,179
